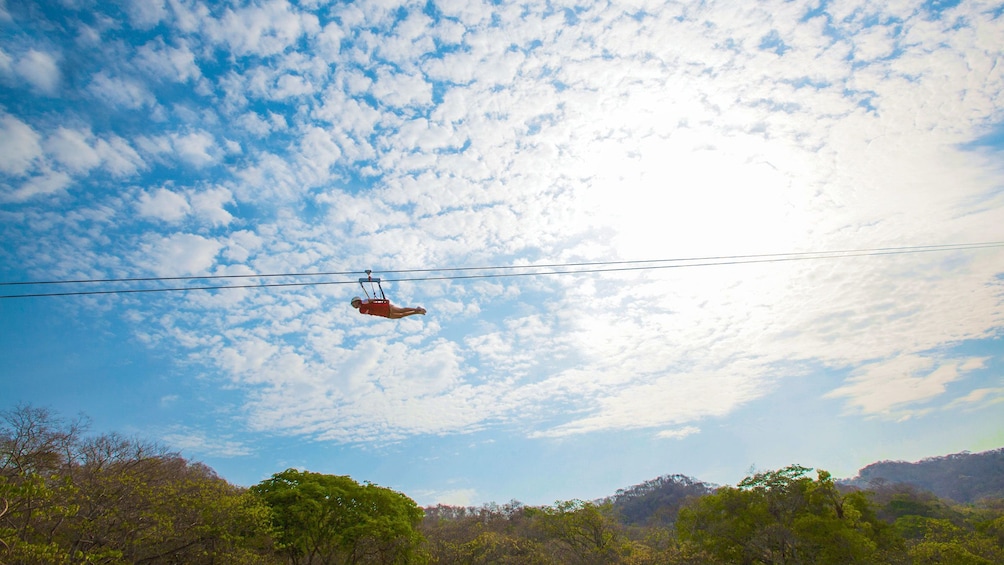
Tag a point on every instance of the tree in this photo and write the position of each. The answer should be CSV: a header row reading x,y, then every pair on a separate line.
x,y
333,519
34,444
586,532
784,517
111,500
160,508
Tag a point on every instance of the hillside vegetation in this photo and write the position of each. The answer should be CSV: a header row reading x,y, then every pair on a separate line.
x,y
962,477
66,498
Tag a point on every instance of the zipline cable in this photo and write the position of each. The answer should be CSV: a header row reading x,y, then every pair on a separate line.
x,y
566,268
185,278
785,256
816,254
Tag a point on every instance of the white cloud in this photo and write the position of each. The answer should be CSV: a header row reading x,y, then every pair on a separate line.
x,y
20,146
198,442
978,398
401,89
197,148
255,124
425,136
45,183
886,387
209,204
289,85
649,401
119,157
268,177
177,255
145,14
318,153
264,29
40,69
414,388
170,63
649,130
5,60
241,246
72,149
121,92
163,204
329,41
615,142
678,433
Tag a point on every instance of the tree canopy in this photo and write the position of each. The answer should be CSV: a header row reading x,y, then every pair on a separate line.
x,y
67,498
333,519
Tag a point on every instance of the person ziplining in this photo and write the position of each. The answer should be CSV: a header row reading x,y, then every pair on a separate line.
x,y
381,306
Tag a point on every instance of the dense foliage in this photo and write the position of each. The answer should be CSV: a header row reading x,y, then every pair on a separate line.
x,y
333,519
68,499
962,477
110,500
773,517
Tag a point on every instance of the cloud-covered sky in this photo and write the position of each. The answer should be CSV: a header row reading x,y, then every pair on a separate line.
x,y
177,138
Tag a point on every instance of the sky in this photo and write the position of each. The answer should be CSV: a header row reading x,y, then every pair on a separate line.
x,y
155,139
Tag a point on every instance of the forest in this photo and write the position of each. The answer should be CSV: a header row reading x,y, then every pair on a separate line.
x,y
70,498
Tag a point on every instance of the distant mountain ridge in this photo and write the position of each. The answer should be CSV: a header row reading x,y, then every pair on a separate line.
x,y
962,477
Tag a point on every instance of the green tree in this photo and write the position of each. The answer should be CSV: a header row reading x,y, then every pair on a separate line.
x,y
110,501
938,540
333,519
585,532
490,534
784,517
35,491
161,508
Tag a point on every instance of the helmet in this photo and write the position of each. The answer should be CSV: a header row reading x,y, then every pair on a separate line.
x,y
354,300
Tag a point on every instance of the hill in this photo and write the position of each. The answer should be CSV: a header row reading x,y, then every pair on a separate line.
x,y
962,477
656,502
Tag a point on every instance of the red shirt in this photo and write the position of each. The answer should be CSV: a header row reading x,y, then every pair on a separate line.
x,y
375,307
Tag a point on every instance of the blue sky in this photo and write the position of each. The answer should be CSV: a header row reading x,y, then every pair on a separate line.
x,y
178,138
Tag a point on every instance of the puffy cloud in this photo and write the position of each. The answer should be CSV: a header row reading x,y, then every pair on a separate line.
x,y
318,153
177,255
163,204
329,41
264,29
197,148
121,92
20,146
119,157
170,63
401,89
503,134
145,14
171,206
40,69
73,150
45,183
209,204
